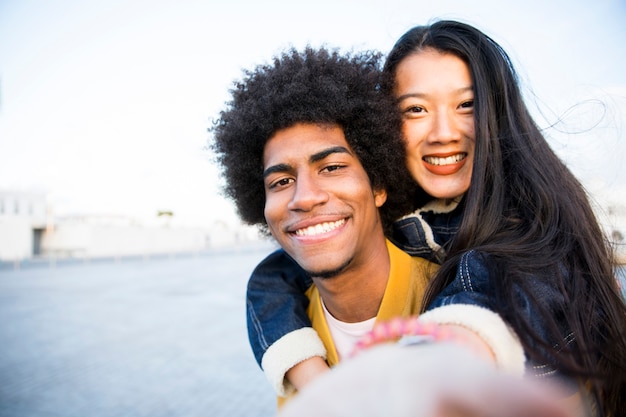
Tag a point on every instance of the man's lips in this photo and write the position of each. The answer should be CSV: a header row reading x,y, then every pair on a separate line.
x,y
319,228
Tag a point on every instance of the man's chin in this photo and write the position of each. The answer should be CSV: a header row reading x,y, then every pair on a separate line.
x,y
329,272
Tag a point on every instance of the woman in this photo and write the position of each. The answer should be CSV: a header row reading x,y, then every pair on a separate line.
x,y
506,216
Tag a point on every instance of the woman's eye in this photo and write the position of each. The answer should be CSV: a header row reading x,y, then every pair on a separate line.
x,y
414,109
414,112
467,104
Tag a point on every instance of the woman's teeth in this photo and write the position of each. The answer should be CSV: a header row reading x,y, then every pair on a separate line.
x,y
435,160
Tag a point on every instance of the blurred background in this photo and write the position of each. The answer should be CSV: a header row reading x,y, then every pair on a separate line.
x,y
122,267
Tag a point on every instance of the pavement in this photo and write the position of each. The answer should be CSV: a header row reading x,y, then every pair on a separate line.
x,y
160,336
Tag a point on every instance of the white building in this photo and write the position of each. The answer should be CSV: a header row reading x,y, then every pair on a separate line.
x,y
23,220
116,236
28,229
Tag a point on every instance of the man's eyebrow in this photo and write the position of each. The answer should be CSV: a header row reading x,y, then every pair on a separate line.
x,y
276,168
316,157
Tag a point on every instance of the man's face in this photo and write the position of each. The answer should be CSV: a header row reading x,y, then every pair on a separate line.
x,y
319,204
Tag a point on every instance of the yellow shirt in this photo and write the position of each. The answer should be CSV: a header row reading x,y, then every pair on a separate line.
x,y
408,277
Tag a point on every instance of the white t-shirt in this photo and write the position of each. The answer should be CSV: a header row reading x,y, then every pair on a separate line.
x,y
346,335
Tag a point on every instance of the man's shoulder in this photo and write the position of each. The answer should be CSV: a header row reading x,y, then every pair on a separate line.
x,y
418,266
419,262
422,270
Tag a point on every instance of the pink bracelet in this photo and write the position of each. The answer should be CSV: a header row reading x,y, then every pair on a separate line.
x,y
411,331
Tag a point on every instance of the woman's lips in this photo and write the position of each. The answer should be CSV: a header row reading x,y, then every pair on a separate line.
x,y
444,164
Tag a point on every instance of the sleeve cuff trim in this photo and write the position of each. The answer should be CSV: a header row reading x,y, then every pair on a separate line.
x,y
288,351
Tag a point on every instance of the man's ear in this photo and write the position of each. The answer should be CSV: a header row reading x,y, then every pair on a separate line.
x,y
380,196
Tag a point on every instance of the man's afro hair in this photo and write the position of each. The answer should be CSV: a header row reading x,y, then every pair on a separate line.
x,y
318,86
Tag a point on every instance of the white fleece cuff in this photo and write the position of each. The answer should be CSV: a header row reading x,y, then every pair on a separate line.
x,y
288,351
490,327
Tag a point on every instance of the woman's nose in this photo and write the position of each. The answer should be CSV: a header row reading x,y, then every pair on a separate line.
x,y
444,128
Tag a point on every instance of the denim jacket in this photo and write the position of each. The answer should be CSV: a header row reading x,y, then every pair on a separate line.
x,y
276,304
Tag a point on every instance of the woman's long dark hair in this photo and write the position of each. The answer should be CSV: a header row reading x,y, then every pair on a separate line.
x,y
532,222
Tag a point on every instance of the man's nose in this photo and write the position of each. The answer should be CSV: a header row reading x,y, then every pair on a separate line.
x,y
308,193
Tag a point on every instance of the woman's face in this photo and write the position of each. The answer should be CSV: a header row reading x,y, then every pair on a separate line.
x,y
436,98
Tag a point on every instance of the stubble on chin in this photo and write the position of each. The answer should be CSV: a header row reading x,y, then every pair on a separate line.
x,y
329,273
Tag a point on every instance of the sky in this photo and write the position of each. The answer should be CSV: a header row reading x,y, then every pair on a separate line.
x,y
105,106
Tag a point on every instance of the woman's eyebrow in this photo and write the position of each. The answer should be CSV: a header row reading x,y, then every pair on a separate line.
x,y
418,94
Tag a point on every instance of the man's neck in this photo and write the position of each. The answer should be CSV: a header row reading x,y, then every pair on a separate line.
x,y
356,294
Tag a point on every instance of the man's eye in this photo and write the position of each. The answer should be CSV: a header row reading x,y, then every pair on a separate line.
x,y
280,183
331,168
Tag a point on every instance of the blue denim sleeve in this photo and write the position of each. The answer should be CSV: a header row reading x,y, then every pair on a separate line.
x,y
471,285
276,303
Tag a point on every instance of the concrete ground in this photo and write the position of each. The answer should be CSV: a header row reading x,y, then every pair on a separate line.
x,y
143,337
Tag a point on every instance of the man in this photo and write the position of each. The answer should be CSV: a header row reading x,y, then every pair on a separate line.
x,y
311,151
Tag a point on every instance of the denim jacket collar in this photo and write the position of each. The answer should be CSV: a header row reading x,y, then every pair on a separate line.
x,y
427,231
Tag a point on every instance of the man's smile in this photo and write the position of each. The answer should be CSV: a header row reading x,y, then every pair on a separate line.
x,y
319,228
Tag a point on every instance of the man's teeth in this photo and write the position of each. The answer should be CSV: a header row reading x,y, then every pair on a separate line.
x,y
319,228
435,160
